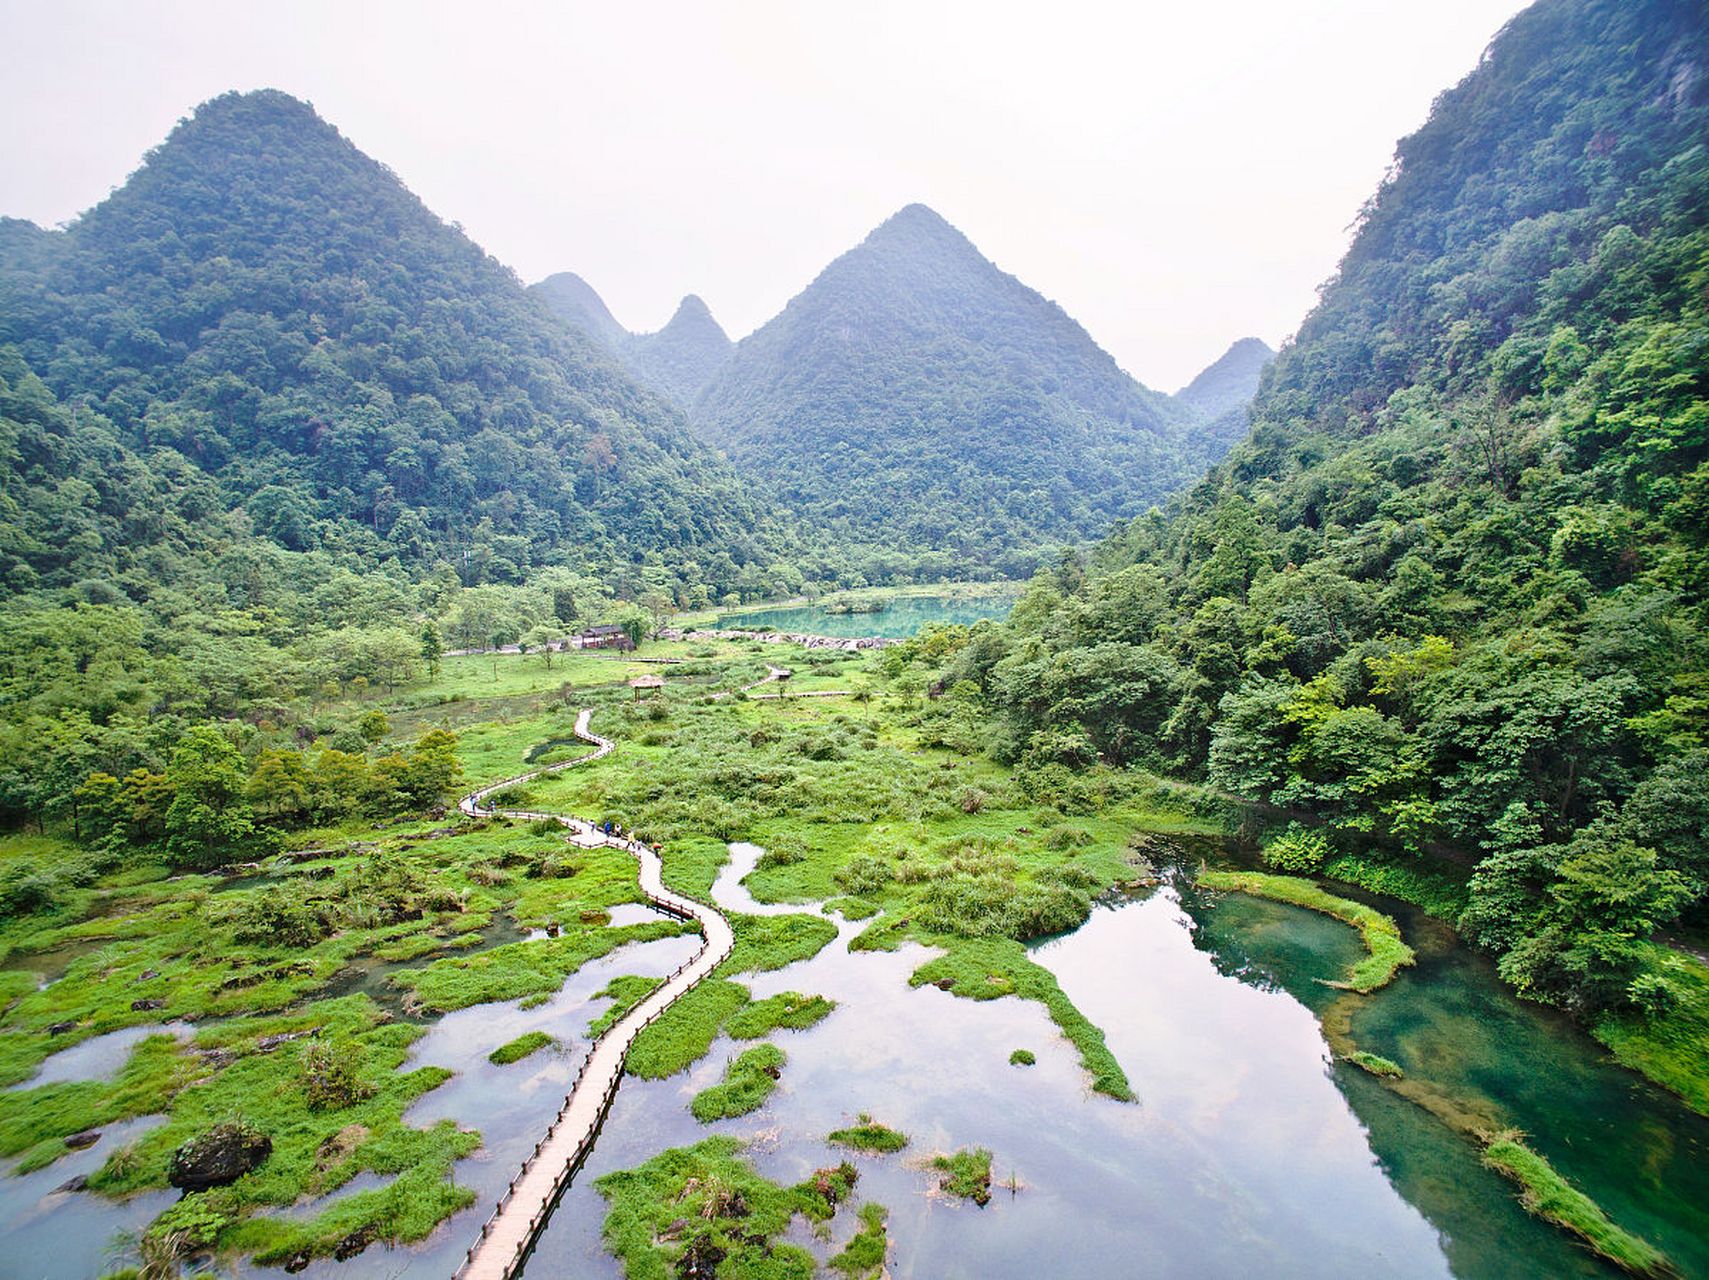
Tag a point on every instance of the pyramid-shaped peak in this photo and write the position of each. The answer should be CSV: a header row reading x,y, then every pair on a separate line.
x,y
692,308
916,224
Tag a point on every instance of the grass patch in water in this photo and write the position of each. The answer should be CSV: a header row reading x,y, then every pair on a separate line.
x,y
518,1049
990,968
852,908
247,1067
966,1173
625,992
863,1257
868,1135
1552,1198
771,942
702,1209
790,1011
1386,952
1376,1064
1670,1045
1023,1058
685,1033
748,1081
519,969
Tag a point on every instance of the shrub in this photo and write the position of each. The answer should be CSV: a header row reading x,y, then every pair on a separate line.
x,y
1297,850
331,1075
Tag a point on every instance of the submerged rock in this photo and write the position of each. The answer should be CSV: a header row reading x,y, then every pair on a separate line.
x,y
74,1184
220,1156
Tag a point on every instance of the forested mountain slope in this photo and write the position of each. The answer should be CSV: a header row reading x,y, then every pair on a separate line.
x,y
571,298
266,317
1448,598
915,398
1222,392
685,355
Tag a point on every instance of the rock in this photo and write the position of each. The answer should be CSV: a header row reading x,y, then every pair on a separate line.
x,y
144,1006
355,1242
217,1058
74,1184
945,984
88,1138
266,1044
298,1261
148,975
340,1146
60,1028
217,1157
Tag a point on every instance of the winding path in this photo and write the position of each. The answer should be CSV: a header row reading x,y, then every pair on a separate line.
x,y
510,1232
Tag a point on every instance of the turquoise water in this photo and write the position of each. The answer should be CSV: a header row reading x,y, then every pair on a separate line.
x,y
903,617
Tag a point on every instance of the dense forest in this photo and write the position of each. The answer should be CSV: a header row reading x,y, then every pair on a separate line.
x,y
264,332
917,401
1445,608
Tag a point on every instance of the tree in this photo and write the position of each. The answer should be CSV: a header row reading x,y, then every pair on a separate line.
x,y
208,820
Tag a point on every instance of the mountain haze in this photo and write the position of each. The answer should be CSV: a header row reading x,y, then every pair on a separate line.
x,y
1223,390
914,397
677,361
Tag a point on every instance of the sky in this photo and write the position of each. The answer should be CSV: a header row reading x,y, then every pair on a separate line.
x,y
1175,175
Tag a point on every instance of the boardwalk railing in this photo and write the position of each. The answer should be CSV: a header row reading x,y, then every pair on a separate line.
x,y
490,1258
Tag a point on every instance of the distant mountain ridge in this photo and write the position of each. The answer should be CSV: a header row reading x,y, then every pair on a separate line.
x,y
679,360
1222,392
916,397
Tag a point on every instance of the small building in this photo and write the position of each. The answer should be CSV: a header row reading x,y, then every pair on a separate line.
x,y
643,685
607,635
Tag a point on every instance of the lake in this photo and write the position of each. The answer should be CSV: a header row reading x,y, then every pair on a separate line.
x,y
904,616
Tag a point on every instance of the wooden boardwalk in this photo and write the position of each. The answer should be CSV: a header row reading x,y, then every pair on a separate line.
x,y
515,1224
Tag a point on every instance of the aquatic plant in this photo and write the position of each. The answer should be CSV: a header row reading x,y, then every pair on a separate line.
x,y
869,1135
1551,1197
748,1081
516,1050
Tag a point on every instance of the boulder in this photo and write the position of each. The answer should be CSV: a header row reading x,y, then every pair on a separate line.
x,y
88,1138
219,1156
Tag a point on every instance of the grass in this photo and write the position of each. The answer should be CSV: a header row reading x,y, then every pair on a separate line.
x,y
1671,1047
870,1136
704,1204
315,1151
521,969
516,1050
863,1257
1386,953
1552,1198
988,969
625,992
1023,1058
790,1011
748,1081
966,1173
684,1035
1376,1064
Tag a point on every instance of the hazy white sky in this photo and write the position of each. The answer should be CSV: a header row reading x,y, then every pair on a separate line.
x,y
1176,175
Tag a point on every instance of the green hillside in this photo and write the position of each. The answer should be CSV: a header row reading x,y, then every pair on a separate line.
x,y
1448,599
266,318
917,401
